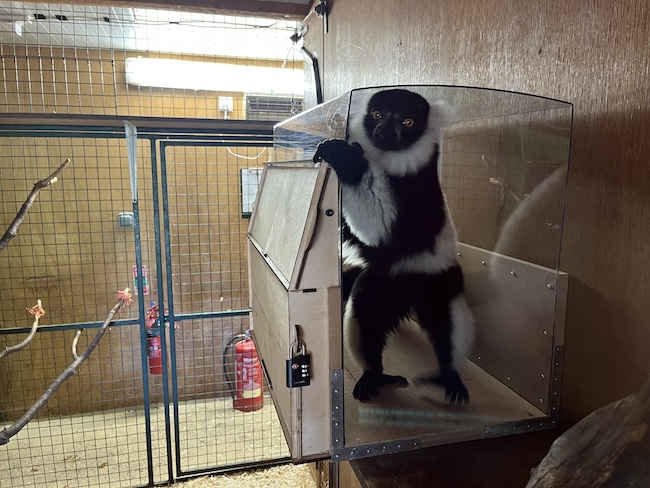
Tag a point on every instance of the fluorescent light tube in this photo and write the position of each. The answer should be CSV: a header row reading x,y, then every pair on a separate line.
x,y
174,73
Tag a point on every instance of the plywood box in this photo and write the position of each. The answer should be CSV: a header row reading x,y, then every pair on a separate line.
x,y
504,172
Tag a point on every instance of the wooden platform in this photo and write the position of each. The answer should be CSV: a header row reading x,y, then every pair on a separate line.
x,y
504,462
422,410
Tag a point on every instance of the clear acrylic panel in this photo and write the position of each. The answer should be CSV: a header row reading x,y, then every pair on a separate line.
x,y
504,163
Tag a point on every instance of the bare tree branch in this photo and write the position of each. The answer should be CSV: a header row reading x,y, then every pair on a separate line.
x,y
20,216
37,311
74,344
123,298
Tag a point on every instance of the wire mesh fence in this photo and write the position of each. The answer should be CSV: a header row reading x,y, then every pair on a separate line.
x,y
109,60
120,421
72,255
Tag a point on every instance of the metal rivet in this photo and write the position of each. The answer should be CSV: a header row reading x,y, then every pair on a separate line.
x,y
543,377
550,287
513,274
329,212
508,378
459,255
479,358
541,400
483,263
546,332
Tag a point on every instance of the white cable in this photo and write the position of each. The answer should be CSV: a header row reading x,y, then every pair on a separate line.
x,y
250,158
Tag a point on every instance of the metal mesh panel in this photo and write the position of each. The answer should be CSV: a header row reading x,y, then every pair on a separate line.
x,y
207,230
209,274
71,253
117,422
80,59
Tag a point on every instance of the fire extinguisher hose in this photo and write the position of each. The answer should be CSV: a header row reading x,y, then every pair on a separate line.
x,y
229,381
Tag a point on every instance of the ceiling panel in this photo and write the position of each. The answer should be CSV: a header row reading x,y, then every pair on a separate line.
x,y
146,30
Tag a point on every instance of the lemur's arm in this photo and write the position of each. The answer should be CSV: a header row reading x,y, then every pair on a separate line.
x,y
347,160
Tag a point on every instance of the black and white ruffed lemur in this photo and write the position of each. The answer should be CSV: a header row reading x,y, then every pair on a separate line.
x,y
399,244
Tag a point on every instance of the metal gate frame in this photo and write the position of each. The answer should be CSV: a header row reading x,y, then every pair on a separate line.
x,y
161,133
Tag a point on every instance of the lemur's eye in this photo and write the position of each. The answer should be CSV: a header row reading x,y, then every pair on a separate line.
x,y
408,123
376,114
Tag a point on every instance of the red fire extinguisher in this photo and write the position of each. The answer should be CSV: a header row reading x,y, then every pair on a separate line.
x,y
154,350
248,393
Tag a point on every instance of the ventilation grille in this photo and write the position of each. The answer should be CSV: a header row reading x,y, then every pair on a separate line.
x,y
264,107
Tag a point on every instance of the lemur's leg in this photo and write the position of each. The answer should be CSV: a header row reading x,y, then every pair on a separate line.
x,y
374,309
348,277
449,326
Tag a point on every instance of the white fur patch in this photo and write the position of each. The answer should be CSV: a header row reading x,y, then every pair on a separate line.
x,y
352,256
402,162
431,262
352,335
462,331
369,208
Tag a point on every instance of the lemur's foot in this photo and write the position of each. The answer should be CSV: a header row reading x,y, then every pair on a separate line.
x,y
455,390
366,387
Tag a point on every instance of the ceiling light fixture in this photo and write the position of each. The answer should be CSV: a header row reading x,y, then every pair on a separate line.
x,y
191,75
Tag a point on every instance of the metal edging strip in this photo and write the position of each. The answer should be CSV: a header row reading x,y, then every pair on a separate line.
x,y
170,303
131,141
342,453
161,315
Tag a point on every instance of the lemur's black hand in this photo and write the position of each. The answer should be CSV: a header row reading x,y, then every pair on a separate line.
x,y
346,159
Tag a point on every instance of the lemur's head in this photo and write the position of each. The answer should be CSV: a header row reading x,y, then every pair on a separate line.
x,y
395,119
398,131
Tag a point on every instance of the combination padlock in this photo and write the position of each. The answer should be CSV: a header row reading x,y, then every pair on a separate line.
x,y
298,367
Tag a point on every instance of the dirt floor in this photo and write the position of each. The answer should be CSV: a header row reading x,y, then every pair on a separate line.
x,y
109,449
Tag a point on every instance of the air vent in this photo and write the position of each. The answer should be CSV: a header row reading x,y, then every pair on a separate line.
x,y
273,108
